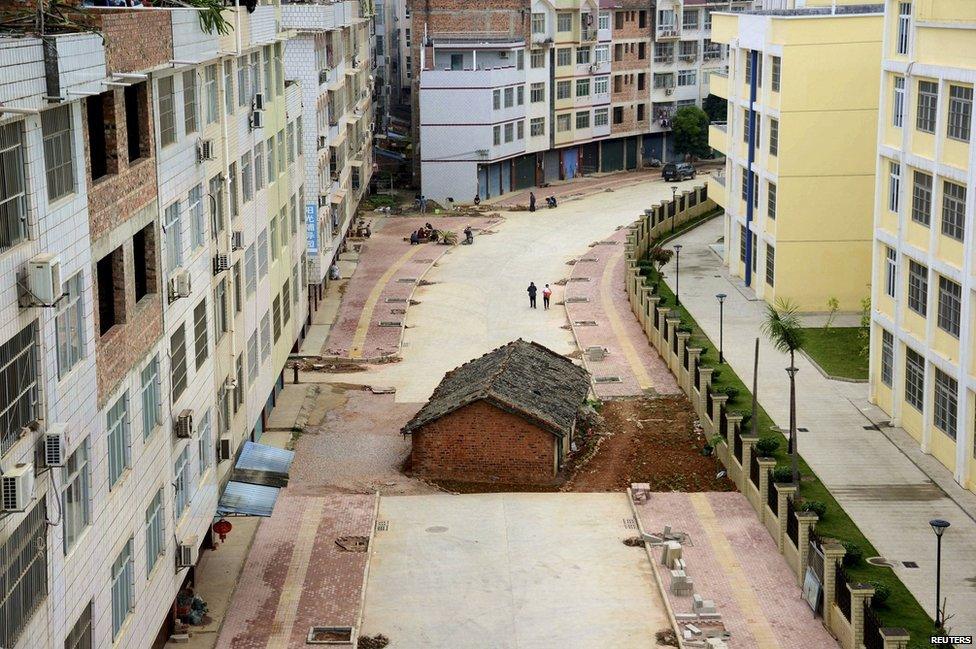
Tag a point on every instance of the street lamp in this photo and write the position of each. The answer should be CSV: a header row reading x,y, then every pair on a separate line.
x,y
674,206
792,370
677,273
721,325
939,526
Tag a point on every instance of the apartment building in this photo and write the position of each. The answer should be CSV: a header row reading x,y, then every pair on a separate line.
x,y
521,94
386,57
923,365
402,66
788,194
329,52
152,247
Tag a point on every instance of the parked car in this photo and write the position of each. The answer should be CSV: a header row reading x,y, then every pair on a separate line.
x,y
679,171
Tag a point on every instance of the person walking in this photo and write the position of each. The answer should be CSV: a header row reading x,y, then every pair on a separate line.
x,y
532,201
423,204
546,294
532,291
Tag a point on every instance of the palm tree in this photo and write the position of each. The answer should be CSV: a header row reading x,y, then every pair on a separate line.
x,y
782,327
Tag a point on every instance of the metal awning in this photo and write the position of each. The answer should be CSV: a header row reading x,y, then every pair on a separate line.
x,y
355,163
337,197
389,154
260,473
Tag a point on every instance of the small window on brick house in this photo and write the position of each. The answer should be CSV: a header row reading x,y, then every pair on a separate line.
x,y
137,121
641,80
642,19
110,273
618,20
618,114
640,112
144,261
642,50
102,153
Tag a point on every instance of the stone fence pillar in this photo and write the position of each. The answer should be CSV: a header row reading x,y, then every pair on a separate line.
x,y
859,594
765,464
783,491
894,638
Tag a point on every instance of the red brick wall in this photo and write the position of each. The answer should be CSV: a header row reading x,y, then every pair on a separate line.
x,y
481,443
135,40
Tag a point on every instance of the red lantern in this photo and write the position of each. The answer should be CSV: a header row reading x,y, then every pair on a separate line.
x,y
222,528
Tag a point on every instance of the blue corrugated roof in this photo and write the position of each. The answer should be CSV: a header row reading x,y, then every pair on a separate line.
x,y
261,457
247,499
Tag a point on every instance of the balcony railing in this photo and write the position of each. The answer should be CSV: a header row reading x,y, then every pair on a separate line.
x,y
667,32
588,34
666,59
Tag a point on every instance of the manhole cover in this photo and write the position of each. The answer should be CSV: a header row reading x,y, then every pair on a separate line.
x,y
382,526
630,523
329,635
390,323
572,300
396,300
579,279
607,379
398,311
585,323
407,280
879,561
437,529
909,564
872,427
803,430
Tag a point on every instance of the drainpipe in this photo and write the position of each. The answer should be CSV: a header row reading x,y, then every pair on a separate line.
x,y
751,157
228,243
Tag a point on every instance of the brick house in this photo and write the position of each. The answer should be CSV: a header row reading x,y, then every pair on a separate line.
x,y
509,416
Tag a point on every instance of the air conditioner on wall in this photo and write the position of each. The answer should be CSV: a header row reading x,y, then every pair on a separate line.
x,y
17,488
44,278
187,553
54,442
184,424
258,102
221,263
257,119
225,448
205,150
179,286
237,240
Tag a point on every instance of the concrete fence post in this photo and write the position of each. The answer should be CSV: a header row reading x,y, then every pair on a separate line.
x,y
694,353
859,594
652,302
783,491
765,464
671,356
894,638
718,400
662,316
706,382
805,522
833,554
682,373
748,442
642,311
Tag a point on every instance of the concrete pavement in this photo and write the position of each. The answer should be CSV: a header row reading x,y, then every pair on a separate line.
x,y
889,489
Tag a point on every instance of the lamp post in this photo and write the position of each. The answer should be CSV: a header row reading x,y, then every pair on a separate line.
x,y
721,325
674,206
677,273
792,370
939,526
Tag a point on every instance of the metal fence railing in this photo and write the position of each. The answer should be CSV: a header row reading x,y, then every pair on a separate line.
x,y
754,470
842,593
792,526
772,498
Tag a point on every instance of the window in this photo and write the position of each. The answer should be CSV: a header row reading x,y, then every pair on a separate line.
x,y
151,397
898,108
564,21
509,97
238,288
601,85
745,125
217,205
496,135
618,114
745,185
76,481
918,287
604,20
602,54
247,177
268,71
618,19
200,332
537,92
537,126
290,129
24,573
689,19
743,245
509,132
70,325
122,588
583,119
205,444
263,253
904,16
687,77
181,483
220,309
110,275
118,439
944,412
563,122
894,185
891,270
250,270
600,117
771,200
59,162
272,165
281,152
640,112
950,306
100,110
564,56
583,56
583,87
928,102
747,55
773,137
770,264
80,635
252,358
775,73
276,317
922,198
538,23
13,186
173,231
210,92
286,301
564,90
243,96
496,99
457,61
167,111
887,357
960,112
519,133
177,353
232,190
274,238
953,210
537,60
190,101
266,336
229,87
155,532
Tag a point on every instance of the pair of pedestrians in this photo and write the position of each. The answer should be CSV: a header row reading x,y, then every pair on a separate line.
x,y
546,294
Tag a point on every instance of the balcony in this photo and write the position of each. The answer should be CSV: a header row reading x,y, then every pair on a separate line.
x,y
718,84
718,136
666,59
667,33
489,78
461,39
716,189
588,35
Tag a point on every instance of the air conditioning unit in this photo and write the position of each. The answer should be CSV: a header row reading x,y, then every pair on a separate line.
x,y
179,286
54,445
184,424
323,200
44,278
257,119
17,488
225,449
205,150
503,54
335,175
323,142
237,240
669,91
258,102
221,263
187,552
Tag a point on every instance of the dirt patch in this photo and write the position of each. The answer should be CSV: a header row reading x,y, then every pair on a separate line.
x,y
338,367
648,440
353,543
458,487
378,641
666,638
634,542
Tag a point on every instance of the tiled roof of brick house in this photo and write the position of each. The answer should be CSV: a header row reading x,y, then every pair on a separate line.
x,y
523,378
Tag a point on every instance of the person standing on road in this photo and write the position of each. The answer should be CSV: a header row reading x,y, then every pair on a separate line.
x,y
532,201
546,294
532,291
423,204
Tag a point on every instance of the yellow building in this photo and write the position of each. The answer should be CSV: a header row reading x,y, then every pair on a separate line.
x,y
923,367
798,192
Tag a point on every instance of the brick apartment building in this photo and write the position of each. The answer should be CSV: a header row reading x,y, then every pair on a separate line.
x,y
507,417
154,250
512,94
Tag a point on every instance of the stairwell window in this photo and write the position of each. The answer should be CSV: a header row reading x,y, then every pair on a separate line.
x,y
229,87
252,358
887,357
945,403
928,106
904,22
950,306
177,353
80,635
953,210
76,478
190,101
13,186
922,198
773,137
918,288
123,589
181,483
775,72
118,439
891,270
151,397
960,112
894,185
771,200
770,264
155,532
898,106
200,342
914,379
59,161
173,229
167,111
266,336
70,325
210,92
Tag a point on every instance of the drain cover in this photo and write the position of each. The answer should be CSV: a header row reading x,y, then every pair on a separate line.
x,y
398,311
579,279
585,323
630,523
437,529
909,564
396,300
589,259
577,299
803,430
880,561
382,526
607,379
407,280
872,427
390,323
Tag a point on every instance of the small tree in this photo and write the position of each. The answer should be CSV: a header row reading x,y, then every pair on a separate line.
x,y
690,128
832,305
716,108
660,256
782,327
